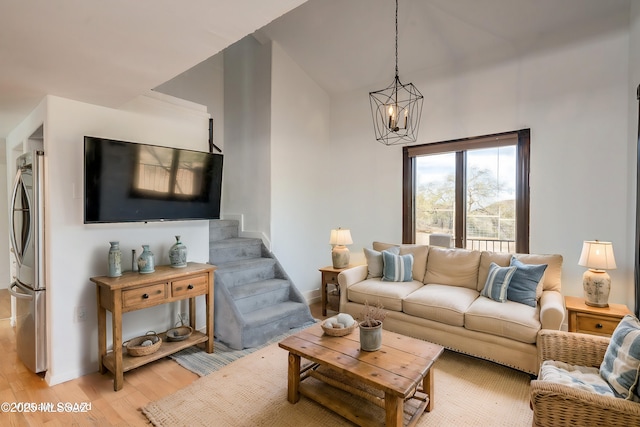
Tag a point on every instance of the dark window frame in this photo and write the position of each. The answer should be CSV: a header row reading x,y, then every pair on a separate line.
x,y
522,139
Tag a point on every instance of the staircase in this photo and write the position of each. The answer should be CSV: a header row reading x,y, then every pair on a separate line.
x,y
254,298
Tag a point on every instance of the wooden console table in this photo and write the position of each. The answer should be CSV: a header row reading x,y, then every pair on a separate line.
x,y
135,291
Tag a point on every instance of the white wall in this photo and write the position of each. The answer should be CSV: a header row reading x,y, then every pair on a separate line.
x,y
75,251
302,205
573,97
634,117
247,123
203,84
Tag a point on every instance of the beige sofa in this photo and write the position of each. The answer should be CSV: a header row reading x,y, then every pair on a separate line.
x,y
443,302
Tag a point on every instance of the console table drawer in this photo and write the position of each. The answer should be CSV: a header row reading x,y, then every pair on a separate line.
x,y
595,324
192,286
144,296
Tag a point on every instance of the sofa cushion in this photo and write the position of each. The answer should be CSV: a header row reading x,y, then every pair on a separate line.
x,y
525,282
420,253
454,267
440,303
497,282
389,294
397,268
380,246
374,261
508,319
621,363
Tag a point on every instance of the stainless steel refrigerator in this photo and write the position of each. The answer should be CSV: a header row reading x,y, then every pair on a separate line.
x,y
27,239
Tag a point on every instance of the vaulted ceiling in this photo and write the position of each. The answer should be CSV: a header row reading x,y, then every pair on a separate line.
x,y
108,52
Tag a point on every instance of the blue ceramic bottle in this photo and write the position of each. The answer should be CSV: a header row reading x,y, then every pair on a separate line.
x,y
146,261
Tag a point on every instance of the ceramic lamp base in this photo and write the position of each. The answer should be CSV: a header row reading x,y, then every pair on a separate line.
x,y
340,256
597,285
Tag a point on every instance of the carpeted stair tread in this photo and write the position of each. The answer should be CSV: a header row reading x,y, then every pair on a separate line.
x,y
260,287
273,313
244,264
234,242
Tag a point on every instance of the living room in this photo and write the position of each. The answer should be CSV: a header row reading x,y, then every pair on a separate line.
x,y
574,88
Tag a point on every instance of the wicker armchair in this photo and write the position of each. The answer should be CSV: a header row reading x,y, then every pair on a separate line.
x,y
560,405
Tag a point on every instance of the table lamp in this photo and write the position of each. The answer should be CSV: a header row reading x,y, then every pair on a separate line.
x,y
340,254
597,257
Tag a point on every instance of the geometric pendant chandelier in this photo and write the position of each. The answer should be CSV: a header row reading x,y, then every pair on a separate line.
x,y
396,109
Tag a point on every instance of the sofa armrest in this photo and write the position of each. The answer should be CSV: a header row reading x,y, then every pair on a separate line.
x,y
551,310
348,277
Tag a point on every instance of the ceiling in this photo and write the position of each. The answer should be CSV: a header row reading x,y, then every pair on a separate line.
x,y
108,52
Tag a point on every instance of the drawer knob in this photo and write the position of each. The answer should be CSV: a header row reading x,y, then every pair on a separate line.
x,y
190,286
145,296
599,325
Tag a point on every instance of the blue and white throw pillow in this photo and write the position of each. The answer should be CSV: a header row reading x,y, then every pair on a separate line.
x,y
524,282
374,261
621,364
497,282
397,268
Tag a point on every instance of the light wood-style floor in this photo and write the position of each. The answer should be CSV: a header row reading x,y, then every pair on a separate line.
x,y
108,408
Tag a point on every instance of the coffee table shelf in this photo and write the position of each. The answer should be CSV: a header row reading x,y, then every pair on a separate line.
x,y
392,386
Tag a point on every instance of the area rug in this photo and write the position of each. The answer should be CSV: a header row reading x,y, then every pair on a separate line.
x,y
252,391
202,363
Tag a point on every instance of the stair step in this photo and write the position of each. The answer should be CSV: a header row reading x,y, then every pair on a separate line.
x,y
245,271
267,323
265,293
223,229
270,314
235,248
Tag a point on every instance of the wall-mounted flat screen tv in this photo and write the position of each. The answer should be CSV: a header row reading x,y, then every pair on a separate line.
x,y
131,182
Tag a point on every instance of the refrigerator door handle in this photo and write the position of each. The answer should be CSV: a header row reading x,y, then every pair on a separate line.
x,y
19,294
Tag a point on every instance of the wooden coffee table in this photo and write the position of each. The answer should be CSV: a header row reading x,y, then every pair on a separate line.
x,y
392,386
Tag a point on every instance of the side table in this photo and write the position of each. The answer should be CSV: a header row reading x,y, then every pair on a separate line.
x,y
593,320
329,277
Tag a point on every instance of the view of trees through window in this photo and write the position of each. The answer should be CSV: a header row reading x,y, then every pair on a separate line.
x,y
489,195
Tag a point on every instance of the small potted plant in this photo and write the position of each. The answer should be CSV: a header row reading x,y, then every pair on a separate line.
x,y
371,326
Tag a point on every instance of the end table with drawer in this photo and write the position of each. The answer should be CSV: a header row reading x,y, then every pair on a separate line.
x,y
330,278
593,320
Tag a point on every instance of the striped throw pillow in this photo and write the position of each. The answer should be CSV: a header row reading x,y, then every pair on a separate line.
x,y
397,268
621,364
498,282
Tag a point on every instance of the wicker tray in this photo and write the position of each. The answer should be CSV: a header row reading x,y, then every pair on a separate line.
x,y
179,333
135,348
338,332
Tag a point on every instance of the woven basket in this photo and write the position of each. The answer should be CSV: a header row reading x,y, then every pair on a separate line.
x,y
179,333
339,332
134,347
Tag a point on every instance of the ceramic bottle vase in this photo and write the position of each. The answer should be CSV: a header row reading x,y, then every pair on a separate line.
x,y
146,261
178,254
115,260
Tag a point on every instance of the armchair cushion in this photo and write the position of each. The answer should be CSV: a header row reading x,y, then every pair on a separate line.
x,y
621,364
579,377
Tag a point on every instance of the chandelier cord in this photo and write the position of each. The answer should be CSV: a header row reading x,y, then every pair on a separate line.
x,y
396,39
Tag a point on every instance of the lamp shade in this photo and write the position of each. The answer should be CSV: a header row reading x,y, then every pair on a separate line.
x,y
340,237
597,255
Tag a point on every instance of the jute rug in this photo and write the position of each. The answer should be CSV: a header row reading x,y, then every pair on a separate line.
x,y
203,363
252,391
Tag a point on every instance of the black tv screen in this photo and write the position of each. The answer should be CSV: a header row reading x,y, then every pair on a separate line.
x,y
129,182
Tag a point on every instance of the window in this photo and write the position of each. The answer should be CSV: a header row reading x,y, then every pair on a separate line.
x,y
474,189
